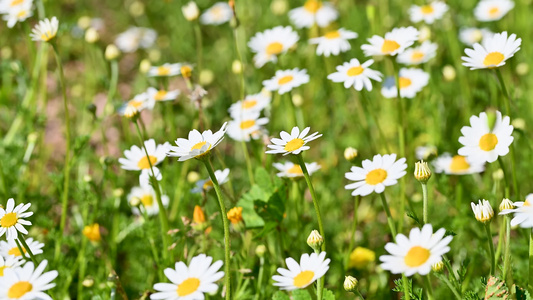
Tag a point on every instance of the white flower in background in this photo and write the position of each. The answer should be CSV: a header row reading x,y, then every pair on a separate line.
x,y
136,158
217,14
300,276
418,55
394,42
45,30
246,127
313,12
269,44
482,211
492,52
18,13
10,262
293,143
252,103
27,282
457,165
146,176
12,219
134,38
411,80
165,70
472,35
291,170
424,152
190,11
146,197
155,95
138,103
354,74
286,80
198,144
523,213
7,5
375,174
492,10
333,42
417,253
206,185
428,13
10,248
483,144
190,283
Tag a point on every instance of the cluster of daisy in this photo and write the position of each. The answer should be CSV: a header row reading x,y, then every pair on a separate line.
x,y
247,123
14,11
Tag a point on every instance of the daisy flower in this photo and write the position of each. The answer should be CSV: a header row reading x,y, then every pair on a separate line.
x,y
482,211
146,174
7,5
333,42
418,55
10,248
481,144
492,10
206,185
45,30
291,170
493,52
246,127
138,103
299,276
27,282
136,158
135,38
269,44
217,14
416,253
198,144
424,152
411,80
286,80
155,95
313,12
375,174
428,13
252,103
354,74
10,262
189,283
12,219
293,143
165,70
472,35
523,213
457,165
393,43
145,194
18,13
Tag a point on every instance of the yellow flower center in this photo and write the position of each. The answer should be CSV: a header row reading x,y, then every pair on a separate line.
x,y
417,56
9,220
494,11
19,289
208,184
427,9
389,46
135,103
285,79
459,164
186,71
303,279
160,95
354,71
16,2
296,170
274,48
216,12
405,82
488,142
46,36
376,176
294,145
2,271
246,104
188,286
145,164
15,251
493,59
163,71
247,124
416,256
312,6
199,146
147,200
332,35
22,14
527,203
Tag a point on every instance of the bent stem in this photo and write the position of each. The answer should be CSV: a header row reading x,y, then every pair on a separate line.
x,y
491,248
227,246
389,216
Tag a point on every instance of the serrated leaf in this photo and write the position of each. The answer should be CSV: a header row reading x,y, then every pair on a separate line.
x,y
521,294
328,295
301,295
279,295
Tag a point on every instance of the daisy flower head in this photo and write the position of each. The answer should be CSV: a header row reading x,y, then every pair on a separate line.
x,y
424,152
206,185
313,12
12,219
134,38
394,42
428,13
269,44
333,42
416,253
136,158
217,14
165,70
482,211
45,30
155,95
375,174
483,144
286,80
300,275
418,55
523,213
198,144
247,127
492,52
492,10
10,262
355,74
27,282
472,35
7,5
252,103
457,165
10,248
18,13
190,282
293,143
291,170
145,197
411,80
138,104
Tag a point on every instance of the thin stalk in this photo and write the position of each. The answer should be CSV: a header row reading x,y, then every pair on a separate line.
x,y
28,250
429,289
507,247
389,216
491,249
530,275
354,227
225,221
505,176
370,110
401,136
358,293
405,282
504,90
82,267
239,56
425,203
451,287
259,287
319,282
248,162
198,36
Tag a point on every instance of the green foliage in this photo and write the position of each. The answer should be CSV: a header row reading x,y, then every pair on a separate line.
x,y
279,295
327,295
301,295
496,289
415,294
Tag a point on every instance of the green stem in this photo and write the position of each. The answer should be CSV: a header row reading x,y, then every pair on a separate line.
x,y
425,197
401,136
239,56
354,229
504,90
248,162
225,221
25,245
405,282
367,105
491,249
429,289
451,287
358,293
507,247
530,275
389,216
198,36
505,176
259,287
82,267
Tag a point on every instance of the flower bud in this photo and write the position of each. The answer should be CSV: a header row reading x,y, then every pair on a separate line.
x,y
519,123
236,67
498,175
279,7
92,232
206,77
437,267
117,193
190,11
131,113
425,34
198,215
315,240
482,211
350,284
145,65
448,72
193,177
350,154
260,250
422,171
522,69
111,52
136,9
91,35
297,100
84,22
135,201
506,204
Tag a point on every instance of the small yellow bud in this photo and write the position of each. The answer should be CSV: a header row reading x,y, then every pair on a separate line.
x,y
315,240
522,69
91,35
6,53
206,77
88,282
32,137
186,71
498,175
111,52
131,112
437,267
193,177
236,67
482,211
190,11
154,55
117,193
361,257
137,9
87,178
506,204
279,7
260,250
145,65
422,171
448,72
92,232
425,34
84,22
519,123
297,100
350,154
350,284
235,215
135,201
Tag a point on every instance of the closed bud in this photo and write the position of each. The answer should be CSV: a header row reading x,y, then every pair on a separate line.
x,y
519,123
137,9
522,69
88,282
448,72
91,35
145,65
279,7
236,67
190,11
350,154
117,193
111,52
198,215
87,178
315,240
206,77
350,284
422,171
506,204
131,112
84,22
135,201
437,267
425,34
297,100
498,175
260,250
482,211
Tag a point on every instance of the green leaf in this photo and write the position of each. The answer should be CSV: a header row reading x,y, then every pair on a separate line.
x,y
301,295
521,294
328,295
279,295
